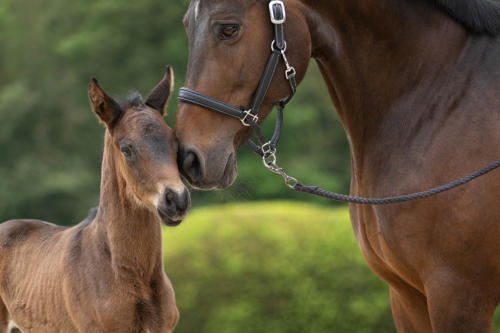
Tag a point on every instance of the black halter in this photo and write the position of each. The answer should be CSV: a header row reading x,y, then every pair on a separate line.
x,y
250,116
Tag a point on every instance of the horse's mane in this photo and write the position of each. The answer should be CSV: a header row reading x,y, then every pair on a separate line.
x,y
478,16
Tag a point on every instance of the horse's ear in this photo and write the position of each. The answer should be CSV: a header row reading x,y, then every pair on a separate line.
x,y
105,107
158,98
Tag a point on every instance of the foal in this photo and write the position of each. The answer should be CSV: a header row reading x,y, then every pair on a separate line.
x,y
105,274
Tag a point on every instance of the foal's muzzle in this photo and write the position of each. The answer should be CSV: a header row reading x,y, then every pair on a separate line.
x,y
174,206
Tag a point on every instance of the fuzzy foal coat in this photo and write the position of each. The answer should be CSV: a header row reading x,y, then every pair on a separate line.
x,y
108,273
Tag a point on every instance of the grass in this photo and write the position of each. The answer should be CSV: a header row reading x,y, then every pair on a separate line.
x,y
273,267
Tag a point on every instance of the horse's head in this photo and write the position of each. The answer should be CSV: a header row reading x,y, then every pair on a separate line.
x,y
229,45
143,150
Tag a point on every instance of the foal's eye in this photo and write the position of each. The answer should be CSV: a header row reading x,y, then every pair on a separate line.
x,y
227,31
127,152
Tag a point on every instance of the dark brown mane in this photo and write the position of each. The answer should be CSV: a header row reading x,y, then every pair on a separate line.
x,y
478,16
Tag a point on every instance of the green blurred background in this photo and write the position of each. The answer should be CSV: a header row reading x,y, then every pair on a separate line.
x,y
237,264
51,142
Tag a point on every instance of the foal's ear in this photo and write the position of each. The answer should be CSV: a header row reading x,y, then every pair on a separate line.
x,y
158,98
105,107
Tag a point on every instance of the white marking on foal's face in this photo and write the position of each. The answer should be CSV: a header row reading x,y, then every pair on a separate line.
x,y
156,198
196,10
12,325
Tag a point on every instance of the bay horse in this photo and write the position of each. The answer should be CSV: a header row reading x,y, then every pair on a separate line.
x,y
415,84
105,274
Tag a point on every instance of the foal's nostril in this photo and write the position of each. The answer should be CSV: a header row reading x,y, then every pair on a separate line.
x,y
184,201
177,204
192,165
170,201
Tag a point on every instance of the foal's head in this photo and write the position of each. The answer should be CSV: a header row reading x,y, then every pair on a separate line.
x,y
143,150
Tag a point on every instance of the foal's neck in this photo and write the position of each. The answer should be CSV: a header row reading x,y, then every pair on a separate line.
x,y
132,232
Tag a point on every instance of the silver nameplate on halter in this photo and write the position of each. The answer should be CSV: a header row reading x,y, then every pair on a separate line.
x,y
274,19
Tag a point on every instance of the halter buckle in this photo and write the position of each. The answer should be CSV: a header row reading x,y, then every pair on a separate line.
x,y
248,113
274,18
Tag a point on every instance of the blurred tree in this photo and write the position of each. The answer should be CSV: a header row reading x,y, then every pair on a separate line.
x,y
51,143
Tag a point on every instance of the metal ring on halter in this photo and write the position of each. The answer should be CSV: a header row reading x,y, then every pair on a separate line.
x,y
267,149
248,113
270,162
274,48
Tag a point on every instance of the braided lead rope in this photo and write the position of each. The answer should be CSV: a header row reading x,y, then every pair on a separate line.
x,y
401,198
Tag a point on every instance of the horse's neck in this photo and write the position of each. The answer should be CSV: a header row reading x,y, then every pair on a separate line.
x,y
380,59
131,232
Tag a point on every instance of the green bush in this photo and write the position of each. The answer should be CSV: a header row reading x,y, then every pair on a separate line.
x,y
273,267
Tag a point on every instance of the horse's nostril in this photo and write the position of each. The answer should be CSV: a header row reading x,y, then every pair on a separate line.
x,y
191,165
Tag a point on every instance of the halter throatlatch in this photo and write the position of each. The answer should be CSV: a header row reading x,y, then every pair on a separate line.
x,y
267,149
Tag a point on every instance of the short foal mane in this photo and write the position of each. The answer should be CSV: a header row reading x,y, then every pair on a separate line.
x,y
478,16
133,100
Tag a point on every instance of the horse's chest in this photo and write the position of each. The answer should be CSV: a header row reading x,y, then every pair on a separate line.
x,y
383,247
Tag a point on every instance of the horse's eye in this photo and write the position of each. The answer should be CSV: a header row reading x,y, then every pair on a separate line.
x,y
227,31
127,152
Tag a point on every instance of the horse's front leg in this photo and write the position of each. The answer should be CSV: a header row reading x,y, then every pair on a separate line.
x,y
409,309
457,305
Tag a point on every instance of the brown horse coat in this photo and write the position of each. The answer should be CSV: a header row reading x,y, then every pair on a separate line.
x,y
415,84
105,274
